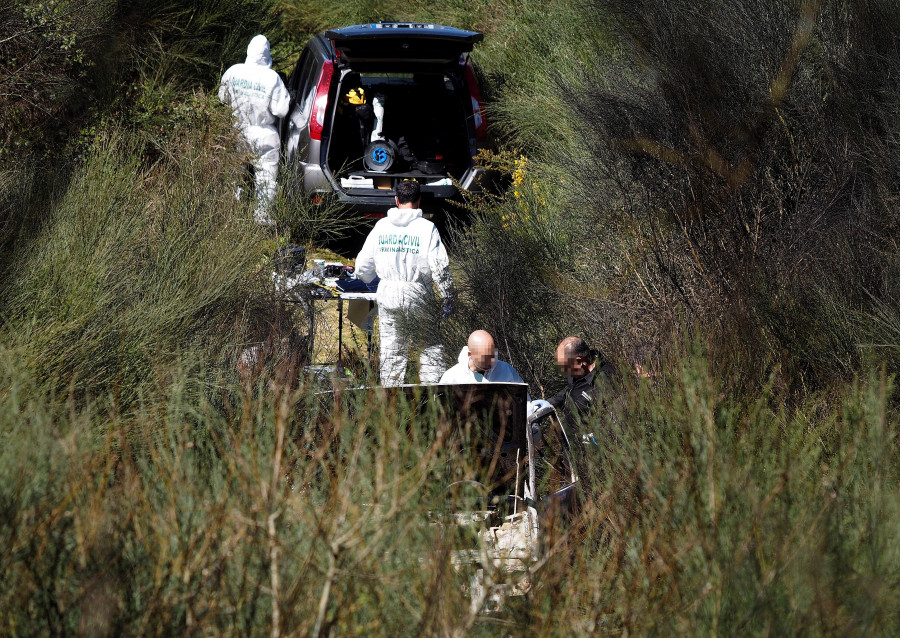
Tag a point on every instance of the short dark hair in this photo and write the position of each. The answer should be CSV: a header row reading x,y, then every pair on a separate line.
x,y
408,192
576,347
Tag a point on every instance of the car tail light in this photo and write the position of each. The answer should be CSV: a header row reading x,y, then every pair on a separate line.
x,y
477,104
374,215
320,104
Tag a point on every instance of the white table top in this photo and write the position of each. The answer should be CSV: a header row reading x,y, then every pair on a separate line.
x,y
368,296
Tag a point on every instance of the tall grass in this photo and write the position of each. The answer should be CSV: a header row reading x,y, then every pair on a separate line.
x,y
711,163
67,62
751,489
722,517
178,518
281,513
135,264
305,17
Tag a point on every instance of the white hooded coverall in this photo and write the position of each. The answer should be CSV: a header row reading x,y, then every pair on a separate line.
x,y
405,250
258,98
501,372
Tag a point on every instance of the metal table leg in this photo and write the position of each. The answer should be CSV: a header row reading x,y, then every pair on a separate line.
x,y
340,332
369,333
311,329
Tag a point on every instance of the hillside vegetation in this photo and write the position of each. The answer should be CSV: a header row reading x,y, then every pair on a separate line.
x,y
707,187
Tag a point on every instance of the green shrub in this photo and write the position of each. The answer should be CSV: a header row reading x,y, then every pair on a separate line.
x,y
67,62
749,489
133,265
724,161
709,514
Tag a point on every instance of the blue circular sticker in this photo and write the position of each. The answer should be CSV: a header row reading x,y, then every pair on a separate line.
x,y
379,155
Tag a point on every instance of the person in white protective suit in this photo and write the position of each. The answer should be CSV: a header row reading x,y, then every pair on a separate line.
x,y
406,252
258,98
478,363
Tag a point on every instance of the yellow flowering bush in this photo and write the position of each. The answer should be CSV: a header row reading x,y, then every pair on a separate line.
x,y
529,194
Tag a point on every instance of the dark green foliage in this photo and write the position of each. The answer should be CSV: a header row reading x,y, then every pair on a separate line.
x,y
701,527
67,61
177,519
729,155
311,219
49,68
132,267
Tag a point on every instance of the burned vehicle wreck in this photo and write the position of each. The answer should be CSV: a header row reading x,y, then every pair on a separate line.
x,y
506,481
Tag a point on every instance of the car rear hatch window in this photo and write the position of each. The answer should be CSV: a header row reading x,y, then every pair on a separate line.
x,y
402,43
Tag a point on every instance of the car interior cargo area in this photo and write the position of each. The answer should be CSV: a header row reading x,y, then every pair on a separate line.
x,y
390,127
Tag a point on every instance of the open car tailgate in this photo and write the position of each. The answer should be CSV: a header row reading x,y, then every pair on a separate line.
x,y
402,42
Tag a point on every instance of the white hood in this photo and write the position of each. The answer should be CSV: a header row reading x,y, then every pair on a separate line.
x,y
257,96
403,216
259,51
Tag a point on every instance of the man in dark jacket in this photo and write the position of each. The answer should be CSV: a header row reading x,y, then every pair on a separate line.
x,y
589,376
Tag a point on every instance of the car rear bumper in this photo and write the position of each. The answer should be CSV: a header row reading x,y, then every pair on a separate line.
x,y
376,200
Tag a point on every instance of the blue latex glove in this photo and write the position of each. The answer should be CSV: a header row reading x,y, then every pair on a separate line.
x,y
537,404
448,309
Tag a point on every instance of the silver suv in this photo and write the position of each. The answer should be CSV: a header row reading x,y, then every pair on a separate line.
x,y
374,104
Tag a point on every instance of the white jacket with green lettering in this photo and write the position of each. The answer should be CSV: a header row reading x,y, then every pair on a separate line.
x,y
257,95
406,251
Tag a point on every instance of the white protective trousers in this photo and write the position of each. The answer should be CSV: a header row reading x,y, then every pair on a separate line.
x,y
394,351
265,145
